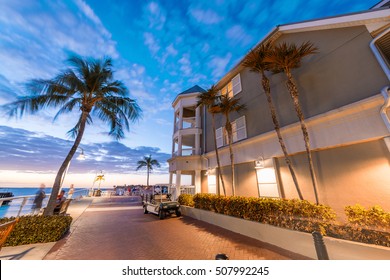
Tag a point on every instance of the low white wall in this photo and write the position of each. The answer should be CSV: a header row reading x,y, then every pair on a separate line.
x,y
294,241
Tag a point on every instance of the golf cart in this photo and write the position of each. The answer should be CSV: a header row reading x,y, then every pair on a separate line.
x,y
159,202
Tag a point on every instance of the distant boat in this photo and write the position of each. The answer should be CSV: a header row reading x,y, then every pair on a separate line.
x,y
5,195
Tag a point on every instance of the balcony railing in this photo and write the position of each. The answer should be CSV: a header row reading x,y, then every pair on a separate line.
x,y
187,123
185,152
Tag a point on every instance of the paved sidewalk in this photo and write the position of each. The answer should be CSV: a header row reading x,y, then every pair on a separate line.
x,y
116,229
40,250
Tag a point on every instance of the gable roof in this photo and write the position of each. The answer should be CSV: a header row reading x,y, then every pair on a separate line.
x,y
194,89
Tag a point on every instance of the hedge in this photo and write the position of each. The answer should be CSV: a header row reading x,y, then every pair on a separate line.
x,y
37,229
368,226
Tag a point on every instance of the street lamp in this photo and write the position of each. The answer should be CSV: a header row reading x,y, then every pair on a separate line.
x,y
81,156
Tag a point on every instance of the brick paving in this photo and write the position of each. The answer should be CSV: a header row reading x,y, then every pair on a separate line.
x,y
116,229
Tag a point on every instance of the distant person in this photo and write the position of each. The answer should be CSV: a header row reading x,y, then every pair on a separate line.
x,y
60,199
39,197
71,191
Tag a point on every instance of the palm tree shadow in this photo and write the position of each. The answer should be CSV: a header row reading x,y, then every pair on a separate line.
x,y
18,256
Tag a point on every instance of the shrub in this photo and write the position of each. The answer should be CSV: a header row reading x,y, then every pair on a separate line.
x,y
204,201
186,199
357,234
37,229
302,215
374,217
293,214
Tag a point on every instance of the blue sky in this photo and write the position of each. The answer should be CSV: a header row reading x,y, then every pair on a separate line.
x,y
160,48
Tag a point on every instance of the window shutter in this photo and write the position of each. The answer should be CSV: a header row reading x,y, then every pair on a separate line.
x,y
219,136
236,81
240,128
234,131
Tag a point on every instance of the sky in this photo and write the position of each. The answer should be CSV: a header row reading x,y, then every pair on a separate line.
x,y
159,49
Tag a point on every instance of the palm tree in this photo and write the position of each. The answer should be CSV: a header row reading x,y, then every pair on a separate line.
x,y
286,57
256,62
99,178
209,99
147,162
226,106
88,87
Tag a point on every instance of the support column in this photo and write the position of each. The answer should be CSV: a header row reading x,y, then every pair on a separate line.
x,y
197,143
170,178
180,118
198,181
179,147
178,184
197,118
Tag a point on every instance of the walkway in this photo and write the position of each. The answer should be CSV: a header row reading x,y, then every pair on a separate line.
x,y
116,229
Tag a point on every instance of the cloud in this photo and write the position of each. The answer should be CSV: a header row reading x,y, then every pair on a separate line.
x,y
207,17
89,13
35,42
151,42
238,36
155,15
23,150
218,65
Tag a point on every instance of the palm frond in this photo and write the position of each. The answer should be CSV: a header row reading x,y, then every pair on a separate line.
x,y
68,107
256,61
288,55
75,130
208,98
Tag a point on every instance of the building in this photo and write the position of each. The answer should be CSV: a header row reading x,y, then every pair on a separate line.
x,y
345,97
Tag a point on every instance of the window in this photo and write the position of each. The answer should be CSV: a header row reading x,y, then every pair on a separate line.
x,y
266,181
238,130
227,90
212,183
233,87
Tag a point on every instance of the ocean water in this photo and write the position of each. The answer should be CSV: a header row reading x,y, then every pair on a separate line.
x,y
12,209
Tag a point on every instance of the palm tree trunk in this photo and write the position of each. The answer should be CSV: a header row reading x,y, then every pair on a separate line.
x,y
57,182
228,127
267,90
217,155
147,176
294,95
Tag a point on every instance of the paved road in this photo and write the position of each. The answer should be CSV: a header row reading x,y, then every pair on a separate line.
x,y
116,229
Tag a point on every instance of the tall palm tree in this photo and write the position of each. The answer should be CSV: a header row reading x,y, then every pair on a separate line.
x,y
226,106
147,162
256,62
87,87
286,57
209,99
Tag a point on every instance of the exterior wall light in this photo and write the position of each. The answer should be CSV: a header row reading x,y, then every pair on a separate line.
x,y
259,163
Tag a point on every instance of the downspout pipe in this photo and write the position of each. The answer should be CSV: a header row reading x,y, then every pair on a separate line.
x,y
378,55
